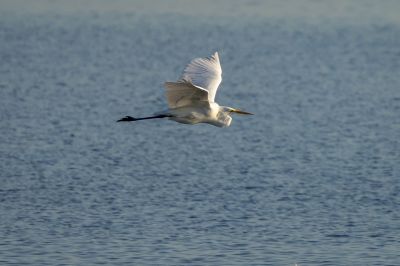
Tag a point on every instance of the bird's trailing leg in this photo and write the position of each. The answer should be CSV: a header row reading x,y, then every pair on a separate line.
x,y
130,118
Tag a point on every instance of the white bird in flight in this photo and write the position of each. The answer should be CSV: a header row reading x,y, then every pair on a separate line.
x,y
191,98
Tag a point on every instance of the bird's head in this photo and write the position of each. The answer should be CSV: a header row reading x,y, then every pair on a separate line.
x,y
224,118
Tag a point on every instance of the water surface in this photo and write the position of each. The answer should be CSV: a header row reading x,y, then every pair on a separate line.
x,y
312,178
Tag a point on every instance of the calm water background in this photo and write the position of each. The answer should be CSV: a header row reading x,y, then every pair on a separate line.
x,y
312,178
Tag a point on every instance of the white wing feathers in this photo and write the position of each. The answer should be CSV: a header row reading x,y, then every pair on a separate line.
x,y
183,93
200,76
205,73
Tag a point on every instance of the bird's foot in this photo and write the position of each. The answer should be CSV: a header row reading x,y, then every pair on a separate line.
x,y
127,119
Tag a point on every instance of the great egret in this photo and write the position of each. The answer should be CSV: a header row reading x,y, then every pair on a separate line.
x,y
191,98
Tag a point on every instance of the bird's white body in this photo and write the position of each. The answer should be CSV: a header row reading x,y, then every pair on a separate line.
x,y
191,98
200,113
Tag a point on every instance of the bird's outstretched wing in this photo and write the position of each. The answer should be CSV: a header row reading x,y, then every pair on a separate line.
x,y
205,73
184,93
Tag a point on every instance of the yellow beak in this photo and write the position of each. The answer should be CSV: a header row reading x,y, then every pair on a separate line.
x,y
241,112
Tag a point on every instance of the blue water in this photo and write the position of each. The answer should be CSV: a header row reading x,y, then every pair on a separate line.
x,y
312,178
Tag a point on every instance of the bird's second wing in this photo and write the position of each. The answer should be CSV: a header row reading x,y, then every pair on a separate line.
x,y
184,93
205,73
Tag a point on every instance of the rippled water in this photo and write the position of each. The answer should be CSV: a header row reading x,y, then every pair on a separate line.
x,y
312,178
